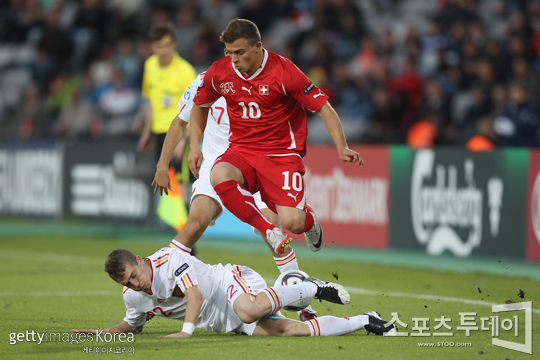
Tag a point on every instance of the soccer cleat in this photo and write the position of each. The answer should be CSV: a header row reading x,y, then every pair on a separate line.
x,y
330,292
307,314
314,236
379,326
278,240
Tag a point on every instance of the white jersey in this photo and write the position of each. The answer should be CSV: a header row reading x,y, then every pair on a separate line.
x,y
216,133
173,272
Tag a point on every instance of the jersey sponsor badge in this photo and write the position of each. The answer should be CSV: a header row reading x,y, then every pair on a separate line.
x,y
226,87
181,269
309,88
264,90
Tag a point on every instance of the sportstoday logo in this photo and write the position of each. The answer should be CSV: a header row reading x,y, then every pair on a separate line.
x,y
448,217
499,323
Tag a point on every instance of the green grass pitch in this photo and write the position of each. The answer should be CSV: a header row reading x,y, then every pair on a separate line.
x,y
57,283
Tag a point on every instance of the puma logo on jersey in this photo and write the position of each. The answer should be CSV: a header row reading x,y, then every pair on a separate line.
x,y
319,94
248,90
293,196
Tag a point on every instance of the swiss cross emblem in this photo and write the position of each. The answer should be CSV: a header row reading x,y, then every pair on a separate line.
x,y
263,90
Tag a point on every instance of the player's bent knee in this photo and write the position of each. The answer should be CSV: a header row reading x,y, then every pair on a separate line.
x,y
248,311
248,314
293,224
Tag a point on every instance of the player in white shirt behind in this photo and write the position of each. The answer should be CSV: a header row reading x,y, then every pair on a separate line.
x,y
230,298
206,206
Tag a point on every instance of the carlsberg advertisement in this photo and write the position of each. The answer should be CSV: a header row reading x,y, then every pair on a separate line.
x,y
452,201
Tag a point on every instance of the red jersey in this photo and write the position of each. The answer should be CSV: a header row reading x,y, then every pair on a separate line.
x,y
266,110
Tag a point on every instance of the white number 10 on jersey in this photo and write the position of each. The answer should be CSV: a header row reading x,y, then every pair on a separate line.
x,y
254,110
296,181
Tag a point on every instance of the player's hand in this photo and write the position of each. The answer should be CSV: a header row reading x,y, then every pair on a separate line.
x,y
349,155
195,159
145,142
177,335
87,331
162,181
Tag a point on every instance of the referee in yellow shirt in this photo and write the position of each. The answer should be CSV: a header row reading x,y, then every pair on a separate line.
x,y
166,77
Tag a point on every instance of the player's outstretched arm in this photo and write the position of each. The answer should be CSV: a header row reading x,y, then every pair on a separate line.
x,y
162,181
198,118
123,327
193,309
335,129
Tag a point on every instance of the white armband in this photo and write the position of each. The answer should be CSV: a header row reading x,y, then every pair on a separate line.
x,y
188,328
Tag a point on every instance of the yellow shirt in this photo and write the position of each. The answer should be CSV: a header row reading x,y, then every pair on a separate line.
x,y
164,87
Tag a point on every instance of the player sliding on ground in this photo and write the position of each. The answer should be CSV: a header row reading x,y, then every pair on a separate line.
x,y
218,298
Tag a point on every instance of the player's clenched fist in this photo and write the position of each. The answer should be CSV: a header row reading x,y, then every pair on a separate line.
x,y
349,155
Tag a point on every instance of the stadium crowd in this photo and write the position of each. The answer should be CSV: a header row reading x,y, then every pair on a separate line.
x,y
421,72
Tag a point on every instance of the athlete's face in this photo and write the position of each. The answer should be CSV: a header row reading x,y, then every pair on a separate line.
x,y
245,57
164,49
137,277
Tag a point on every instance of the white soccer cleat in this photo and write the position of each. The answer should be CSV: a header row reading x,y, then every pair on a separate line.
x,y
278,240
314,236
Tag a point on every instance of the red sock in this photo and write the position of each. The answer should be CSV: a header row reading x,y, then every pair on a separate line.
x,y
241,204
309,218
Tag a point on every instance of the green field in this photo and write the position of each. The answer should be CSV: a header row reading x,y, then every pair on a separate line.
x,y
53,281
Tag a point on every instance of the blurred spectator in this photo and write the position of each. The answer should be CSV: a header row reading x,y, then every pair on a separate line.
x,y
187,32
127,62
75,118
31,120
118,104
485,137
406,90
423,134
518,124
89,32
53,51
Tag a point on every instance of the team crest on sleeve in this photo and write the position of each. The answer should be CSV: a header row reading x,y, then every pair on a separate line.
x,y
263,90
226,87
181,269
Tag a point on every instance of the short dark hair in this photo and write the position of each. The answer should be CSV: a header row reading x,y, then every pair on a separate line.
x,y
159,31
115,264
241,28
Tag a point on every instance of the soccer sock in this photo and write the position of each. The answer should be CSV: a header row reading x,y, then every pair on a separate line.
x,y
309,218
287,263
281,296
241,204
175,244
335,326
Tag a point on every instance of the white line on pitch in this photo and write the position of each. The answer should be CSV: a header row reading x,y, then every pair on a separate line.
x,y
60,293
418,296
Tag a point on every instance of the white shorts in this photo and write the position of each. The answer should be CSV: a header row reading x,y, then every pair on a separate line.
x,y
202,186
243,280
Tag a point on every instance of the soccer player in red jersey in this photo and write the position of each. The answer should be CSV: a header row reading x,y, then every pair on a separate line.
x,y
266,95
